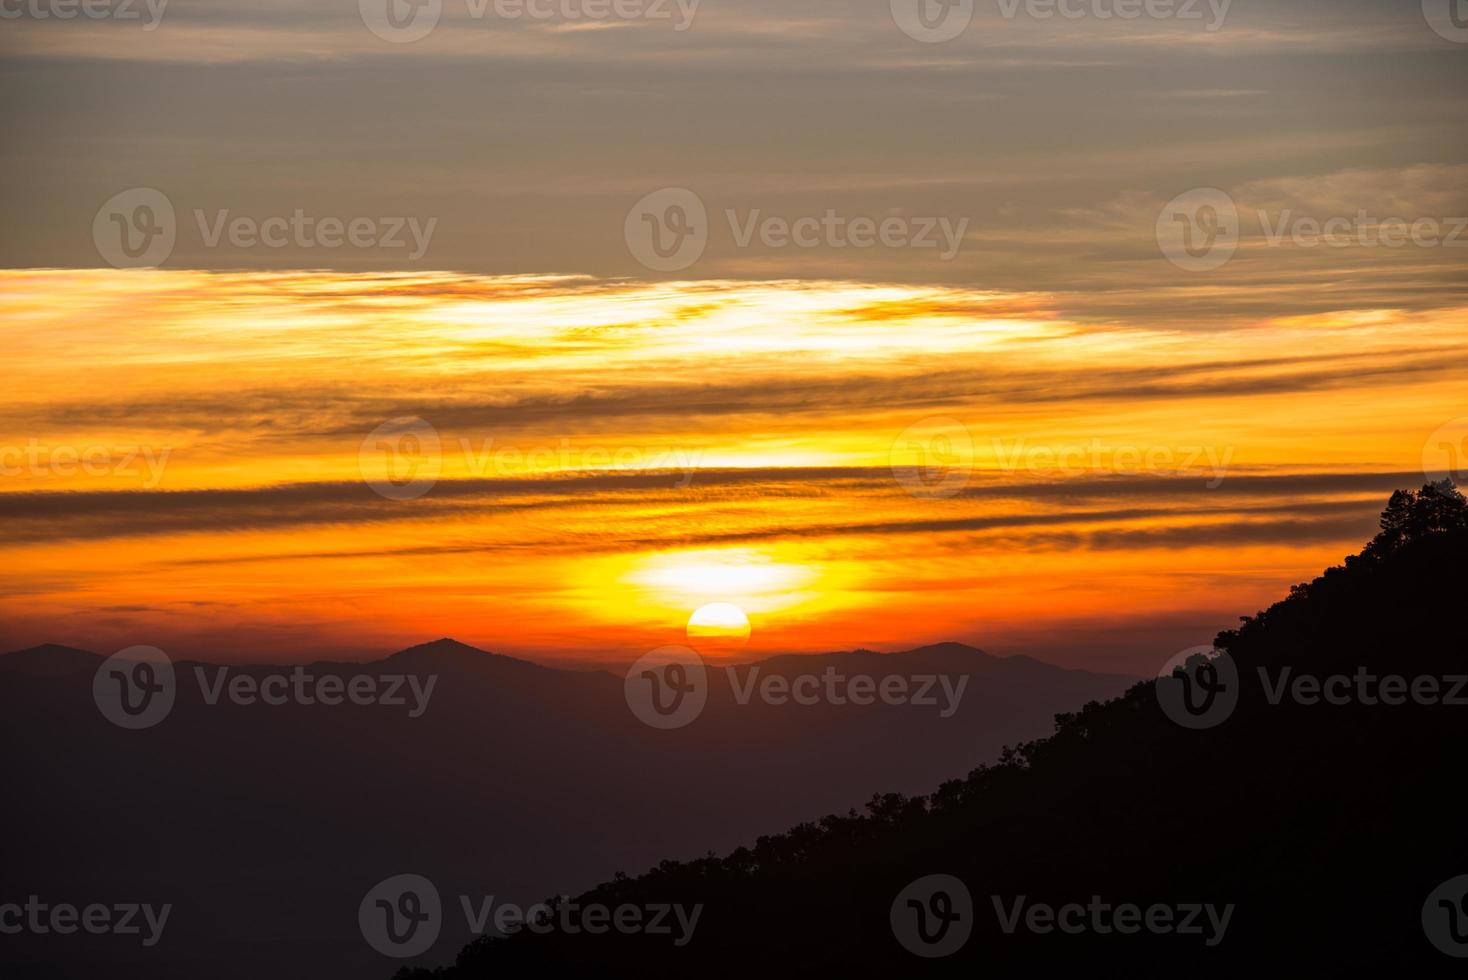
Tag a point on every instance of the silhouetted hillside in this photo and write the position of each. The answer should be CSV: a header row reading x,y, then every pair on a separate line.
x,y
49,660
1326,827
514,780
449,654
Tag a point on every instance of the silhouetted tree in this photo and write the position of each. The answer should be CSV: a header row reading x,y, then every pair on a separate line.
x,y
1438,508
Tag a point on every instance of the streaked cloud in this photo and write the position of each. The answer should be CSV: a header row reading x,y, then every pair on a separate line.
x,y
179,438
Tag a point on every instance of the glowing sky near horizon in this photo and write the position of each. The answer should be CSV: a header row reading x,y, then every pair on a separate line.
x,y
612,456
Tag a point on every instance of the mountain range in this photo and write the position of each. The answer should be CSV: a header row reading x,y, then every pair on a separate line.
x,y
264,825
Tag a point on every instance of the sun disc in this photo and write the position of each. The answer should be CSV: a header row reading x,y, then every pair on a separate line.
x,y
718,627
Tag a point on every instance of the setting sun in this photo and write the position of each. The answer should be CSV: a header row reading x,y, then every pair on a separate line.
x,y
718,627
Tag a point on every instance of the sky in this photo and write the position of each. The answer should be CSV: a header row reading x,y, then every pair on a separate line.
x,y
1072,336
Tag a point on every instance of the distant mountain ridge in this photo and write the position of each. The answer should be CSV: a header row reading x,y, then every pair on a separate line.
x,y
50,659
518,779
